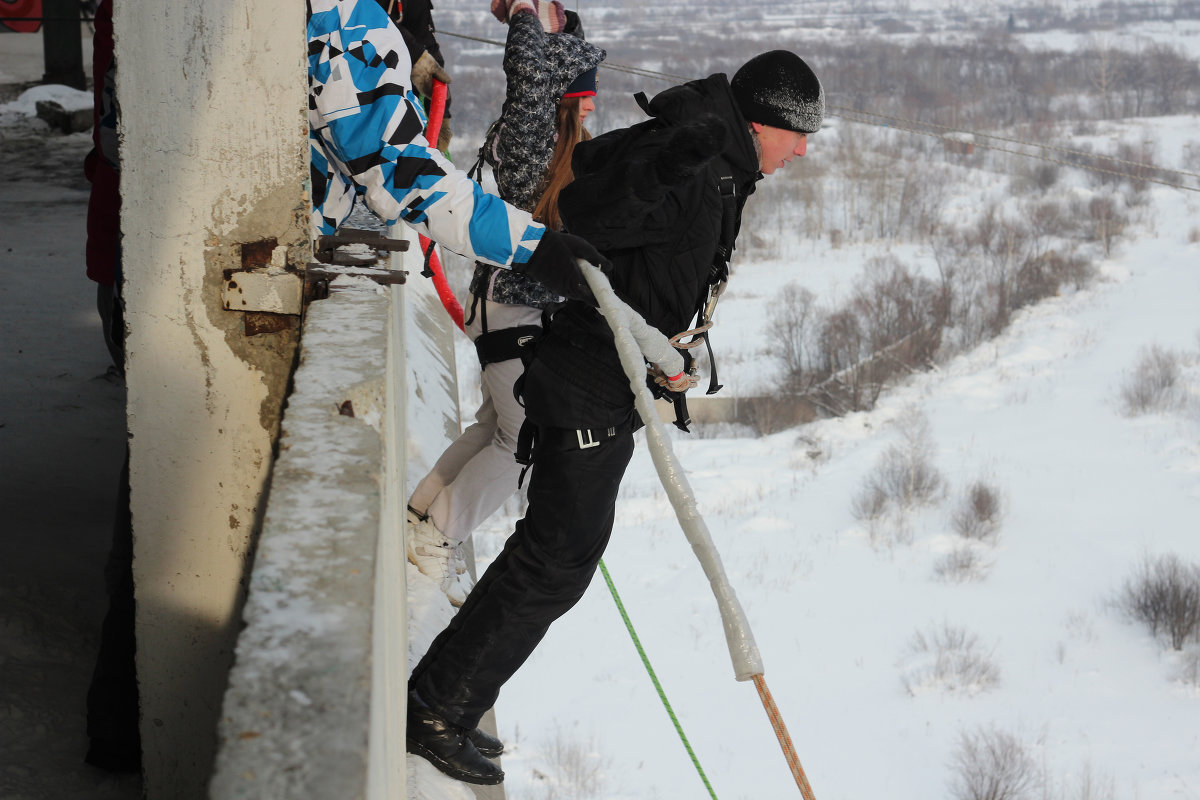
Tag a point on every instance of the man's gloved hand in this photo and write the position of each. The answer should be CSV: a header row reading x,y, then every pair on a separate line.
x,y
553,265
549,12
688,379
424,71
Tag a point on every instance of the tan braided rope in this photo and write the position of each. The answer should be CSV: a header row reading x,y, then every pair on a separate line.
x,y
785,739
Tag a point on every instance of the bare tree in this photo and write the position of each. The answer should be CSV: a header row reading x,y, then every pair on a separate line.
x,y
1170,71
1106,64
991,764
794,321
1164,594
1107,221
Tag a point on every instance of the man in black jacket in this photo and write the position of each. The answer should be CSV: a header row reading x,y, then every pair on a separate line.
x,y
662,200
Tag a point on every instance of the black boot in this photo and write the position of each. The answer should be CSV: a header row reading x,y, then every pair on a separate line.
x,y
447,746
485,743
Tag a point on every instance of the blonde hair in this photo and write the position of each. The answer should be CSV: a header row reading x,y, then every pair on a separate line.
x,y
570,132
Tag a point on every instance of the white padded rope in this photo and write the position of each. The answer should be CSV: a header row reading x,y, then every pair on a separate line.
x,y
635,339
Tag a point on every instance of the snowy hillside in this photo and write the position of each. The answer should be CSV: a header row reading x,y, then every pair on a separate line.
x,y
838,604
895,645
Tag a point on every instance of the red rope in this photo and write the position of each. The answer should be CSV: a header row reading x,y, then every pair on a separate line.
x,y
785,740
437,109
444,292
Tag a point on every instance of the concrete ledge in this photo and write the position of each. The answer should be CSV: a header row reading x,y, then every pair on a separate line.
x,y
295,719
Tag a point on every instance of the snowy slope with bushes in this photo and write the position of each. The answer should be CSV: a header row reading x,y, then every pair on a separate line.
x,y
949,584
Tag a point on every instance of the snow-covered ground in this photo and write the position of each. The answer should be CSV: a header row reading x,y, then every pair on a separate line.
x,y
861,624
850,616
837,605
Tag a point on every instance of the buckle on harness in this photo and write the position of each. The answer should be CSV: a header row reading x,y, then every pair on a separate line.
x,y
591,439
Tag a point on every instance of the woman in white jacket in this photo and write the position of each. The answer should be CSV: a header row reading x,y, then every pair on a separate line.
x,y
551,80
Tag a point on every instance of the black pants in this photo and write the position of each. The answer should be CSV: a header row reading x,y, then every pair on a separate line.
x,y
544,569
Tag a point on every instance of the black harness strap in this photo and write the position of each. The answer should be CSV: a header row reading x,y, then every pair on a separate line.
x,y
506,344
719,272
683,417
427,272
585,438
526,442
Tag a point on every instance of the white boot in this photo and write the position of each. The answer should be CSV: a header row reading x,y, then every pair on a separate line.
x,y
459,562
432,554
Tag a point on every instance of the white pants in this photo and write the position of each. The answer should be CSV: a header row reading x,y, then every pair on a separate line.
x,y
478,472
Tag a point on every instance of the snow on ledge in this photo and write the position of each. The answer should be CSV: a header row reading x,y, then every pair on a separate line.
x,y
295,716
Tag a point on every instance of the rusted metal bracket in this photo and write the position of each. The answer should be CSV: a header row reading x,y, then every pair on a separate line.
x,y
267,290
326,249
317,273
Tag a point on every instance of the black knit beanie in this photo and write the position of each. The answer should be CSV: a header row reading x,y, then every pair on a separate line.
x,y
778,89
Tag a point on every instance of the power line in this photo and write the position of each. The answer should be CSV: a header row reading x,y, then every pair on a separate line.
x,y
922,129
1055,148
847,114
639,71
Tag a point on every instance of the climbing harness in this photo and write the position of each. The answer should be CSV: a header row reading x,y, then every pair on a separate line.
x,y
718,277
505,344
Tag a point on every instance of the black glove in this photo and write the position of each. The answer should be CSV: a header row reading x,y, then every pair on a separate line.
x,y
553,265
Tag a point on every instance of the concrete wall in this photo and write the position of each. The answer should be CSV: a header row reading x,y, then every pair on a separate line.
x,y
214,157
310,675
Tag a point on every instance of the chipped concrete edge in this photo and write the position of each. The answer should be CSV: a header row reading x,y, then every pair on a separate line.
x,y
295,717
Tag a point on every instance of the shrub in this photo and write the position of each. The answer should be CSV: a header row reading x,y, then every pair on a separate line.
x,y
978,513
898,313
574,770
904,477
906,471
1189,669
947,658
1164,595
870,503
794,321
907,476
1035,177
1154,384
960,565
991,764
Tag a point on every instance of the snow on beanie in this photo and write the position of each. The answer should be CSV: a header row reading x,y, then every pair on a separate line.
x,y
778,89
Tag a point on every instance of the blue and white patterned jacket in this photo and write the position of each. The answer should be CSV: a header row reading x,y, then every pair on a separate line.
x,y
366,130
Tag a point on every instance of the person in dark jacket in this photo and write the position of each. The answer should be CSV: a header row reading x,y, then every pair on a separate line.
x,y
656,200
551,79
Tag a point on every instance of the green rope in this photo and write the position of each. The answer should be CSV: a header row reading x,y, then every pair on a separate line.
x,y
658,686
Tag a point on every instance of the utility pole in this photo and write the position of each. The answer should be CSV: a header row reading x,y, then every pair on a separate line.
x,y
62,43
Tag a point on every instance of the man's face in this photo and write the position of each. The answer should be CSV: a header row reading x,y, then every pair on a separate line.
x,y
779,146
